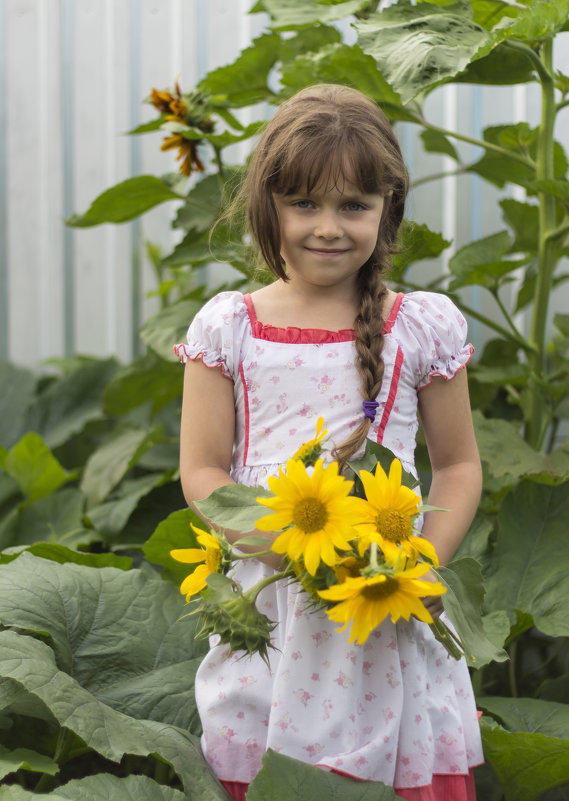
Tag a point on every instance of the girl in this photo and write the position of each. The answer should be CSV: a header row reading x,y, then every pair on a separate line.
x,y
324,198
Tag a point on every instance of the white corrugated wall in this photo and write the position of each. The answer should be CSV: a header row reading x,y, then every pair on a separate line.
x,y
73,74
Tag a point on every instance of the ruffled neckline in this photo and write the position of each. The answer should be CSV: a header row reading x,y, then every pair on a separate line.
x,y
316,336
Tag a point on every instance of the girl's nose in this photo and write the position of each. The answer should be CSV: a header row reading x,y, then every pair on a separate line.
x,y
328,225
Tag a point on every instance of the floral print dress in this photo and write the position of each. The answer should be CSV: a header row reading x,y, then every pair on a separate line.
x,y
395,709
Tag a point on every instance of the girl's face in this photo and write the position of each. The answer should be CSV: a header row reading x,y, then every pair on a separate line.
x,y
328,234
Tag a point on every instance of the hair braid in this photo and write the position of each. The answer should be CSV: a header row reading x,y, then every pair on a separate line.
x,y
368,326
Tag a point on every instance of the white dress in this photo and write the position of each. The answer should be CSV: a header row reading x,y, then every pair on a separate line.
x,y
395,709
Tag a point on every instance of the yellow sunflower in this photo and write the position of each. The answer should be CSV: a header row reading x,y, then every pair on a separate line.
x,y
187,153
387,517
366,602
314,510
211,556
311,450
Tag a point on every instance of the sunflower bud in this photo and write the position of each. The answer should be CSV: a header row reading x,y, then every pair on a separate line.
x,y
225,610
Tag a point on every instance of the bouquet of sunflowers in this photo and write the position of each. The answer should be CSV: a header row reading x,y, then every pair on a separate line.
x,y
351,545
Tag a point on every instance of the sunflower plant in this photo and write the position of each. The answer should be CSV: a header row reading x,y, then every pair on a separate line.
x,y
352,545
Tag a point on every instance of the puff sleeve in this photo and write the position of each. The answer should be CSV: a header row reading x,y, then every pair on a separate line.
x,y
215,334
438,331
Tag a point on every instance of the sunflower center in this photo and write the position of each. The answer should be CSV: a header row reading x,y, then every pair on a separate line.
x,y
310,515
393,525
381,590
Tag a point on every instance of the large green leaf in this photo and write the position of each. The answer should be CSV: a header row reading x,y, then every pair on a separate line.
x,y
235,506
174,532
24,758
18,387
101,787
340,63
285,779
507,454
125,201
417,47
541,20
526,761
108,464
116,632
201,206
68,403
245,81
31,463
111,517
149,379
462,602
531,559
482,262
168,327
29,668
289,15
61,554
417,242
56,518
523,218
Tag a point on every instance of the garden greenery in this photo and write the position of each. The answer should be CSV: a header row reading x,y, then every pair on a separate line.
x,y
96,669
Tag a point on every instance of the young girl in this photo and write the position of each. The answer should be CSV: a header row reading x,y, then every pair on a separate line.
x,y
324,198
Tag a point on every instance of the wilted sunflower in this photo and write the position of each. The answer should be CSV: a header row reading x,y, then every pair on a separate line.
x,y
210,554
314,510
366,601
386,518
310,451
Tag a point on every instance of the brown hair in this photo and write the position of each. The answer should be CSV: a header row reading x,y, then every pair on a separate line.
x,y
321,136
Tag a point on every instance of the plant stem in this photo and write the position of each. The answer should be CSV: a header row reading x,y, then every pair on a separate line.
x,y
254,591
535,428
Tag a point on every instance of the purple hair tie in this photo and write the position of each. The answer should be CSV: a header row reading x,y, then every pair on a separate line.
x,y
370,409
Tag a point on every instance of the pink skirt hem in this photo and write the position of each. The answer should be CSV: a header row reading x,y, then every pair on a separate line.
x,y
444,787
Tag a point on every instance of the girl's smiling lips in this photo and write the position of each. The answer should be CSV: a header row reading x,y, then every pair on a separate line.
x,y
327,251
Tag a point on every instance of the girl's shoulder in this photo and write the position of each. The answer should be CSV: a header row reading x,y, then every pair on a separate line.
x,y
421,309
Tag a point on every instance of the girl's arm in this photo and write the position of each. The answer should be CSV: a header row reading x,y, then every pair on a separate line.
x,y
206,440
444,407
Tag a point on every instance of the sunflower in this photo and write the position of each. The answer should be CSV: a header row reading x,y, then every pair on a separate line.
x,y
387,517
366,601
310,451
314,510
187,153
211,557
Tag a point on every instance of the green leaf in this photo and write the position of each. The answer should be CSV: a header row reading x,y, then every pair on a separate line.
x,y
102,787
125,201
168,327
61,554
417,242
235,506
108,464
148,379
31,463
507,454
201,206
523,218
307,40
436,142
111,517
30,667
481,262
25,759
531,562
285,779
462,601
417,47
174,532
18,387
69,403
120,638
340,63
245,81
287,15
527,764
528,715
541,20
55,518
502,66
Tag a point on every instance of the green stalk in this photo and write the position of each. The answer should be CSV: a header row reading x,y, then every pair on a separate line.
x,y
537,412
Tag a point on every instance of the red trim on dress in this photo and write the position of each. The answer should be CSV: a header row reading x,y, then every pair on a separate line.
x,y
392,394
246,405
390,322
446,377
291,334
184,356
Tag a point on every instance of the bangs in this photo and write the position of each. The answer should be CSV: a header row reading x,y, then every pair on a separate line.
x,y
329,162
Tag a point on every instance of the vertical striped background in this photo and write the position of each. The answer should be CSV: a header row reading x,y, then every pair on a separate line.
x,y
73,75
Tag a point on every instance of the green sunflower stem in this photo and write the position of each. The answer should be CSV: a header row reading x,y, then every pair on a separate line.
x,y
446,637
252,593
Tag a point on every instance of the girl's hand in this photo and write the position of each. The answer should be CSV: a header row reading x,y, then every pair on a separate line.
x,y
433,603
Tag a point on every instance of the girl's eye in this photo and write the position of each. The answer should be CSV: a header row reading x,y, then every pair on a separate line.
x,y
302,204
354,206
